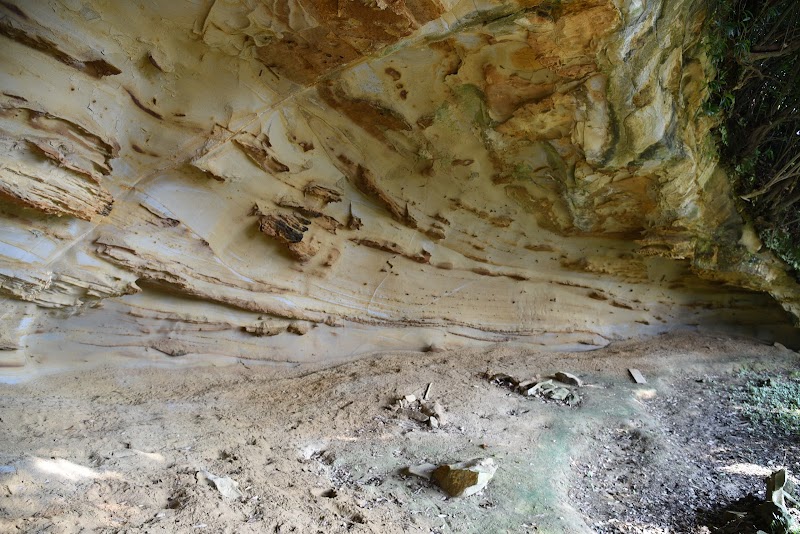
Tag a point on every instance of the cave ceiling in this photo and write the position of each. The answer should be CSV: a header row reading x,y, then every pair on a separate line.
x,y
301,180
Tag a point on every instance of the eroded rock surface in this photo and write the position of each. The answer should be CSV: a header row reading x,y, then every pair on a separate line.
x,y
301,180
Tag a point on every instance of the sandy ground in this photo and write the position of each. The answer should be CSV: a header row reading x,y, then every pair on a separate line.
x,y
123,449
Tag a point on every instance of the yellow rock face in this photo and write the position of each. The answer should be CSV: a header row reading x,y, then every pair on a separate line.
x,y
301,180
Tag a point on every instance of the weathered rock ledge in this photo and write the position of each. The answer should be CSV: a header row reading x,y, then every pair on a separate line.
x,y
306,180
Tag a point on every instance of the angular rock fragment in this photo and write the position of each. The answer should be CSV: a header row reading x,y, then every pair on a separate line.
x,y
285,227
557,393
460,479
300,328
420,410
465,478
289,229
423,470
325,194
226,486
547,389
264,329
573,399
438,411
434,411
419,416
53,164
327,222
502,379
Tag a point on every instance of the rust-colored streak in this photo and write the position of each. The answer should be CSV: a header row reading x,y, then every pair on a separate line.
x,y
72,130
153,62
96,68
618,304
325,194
371,116
290,230
15,97
142,106
305,56
365,182
387,246
141,150
260,156
393,73
500,221
486,272
354,222
284,227
327,222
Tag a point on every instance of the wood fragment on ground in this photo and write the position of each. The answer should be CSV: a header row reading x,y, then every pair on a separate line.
x,y
637,376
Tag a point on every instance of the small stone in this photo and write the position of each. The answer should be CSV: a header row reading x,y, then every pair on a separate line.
x,y
573,399
525,385
465,478
433,422
569,378
558,393
410,398
438,411
419,416
426,408
539,387
422,470
227,487
546,387
300,328
502,379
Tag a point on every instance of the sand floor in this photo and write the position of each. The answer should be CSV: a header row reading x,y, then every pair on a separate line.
x,y
124,448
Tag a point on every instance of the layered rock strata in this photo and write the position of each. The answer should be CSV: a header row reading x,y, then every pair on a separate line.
x,y
310,180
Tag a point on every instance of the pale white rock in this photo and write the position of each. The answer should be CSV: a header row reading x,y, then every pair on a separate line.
x,y
226,486
465,478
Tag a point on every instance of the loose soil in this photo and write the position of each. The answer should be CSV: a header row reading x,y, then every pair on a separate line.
x,y
120,449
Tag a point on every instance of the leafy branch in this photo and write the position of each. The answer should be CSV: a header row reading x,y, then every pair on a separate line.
x,y
754,46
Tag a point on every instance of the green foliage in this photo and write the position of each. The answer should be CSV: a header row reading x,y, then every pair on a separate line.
x,y
754,47
784,245
773,401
